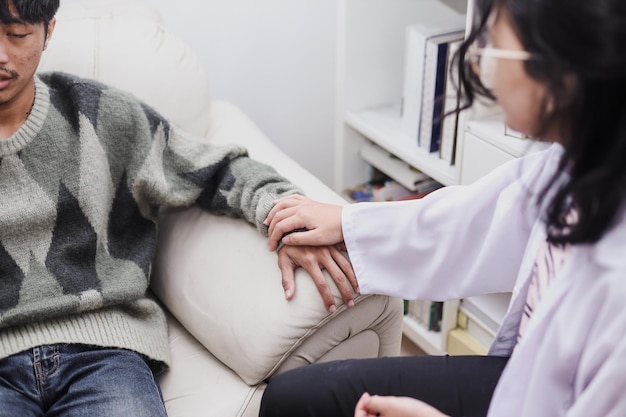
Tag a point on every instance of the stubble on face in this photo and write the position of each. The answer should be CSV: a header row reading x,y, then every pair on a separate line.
x,y
21,65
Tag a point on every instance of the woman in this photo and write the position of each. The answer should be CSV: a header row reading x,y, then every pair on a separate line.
x,y
549,227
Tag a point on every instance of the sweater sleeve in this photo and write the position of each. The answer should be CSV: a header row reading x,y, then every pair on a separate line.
x,y
178,169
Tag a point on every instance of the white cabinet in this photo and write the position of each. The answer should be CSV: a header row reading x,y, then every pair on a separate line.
x,y
369,96
480,158
485,147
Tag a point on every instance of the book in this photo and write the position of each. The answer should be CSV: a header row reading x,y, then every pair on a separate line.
x,y
435,316
420,311
449,125
434,89
427,313
392,166
391,191
488,309
481,316
477,330
416,37
427,185
461,343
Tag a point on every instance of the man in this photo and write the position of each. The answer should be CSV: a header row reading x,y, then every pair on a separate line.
x,y
84,169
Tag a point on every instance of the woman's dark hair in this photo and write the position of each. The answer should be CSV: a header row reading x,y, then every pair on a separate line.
x,y
28,11
584,42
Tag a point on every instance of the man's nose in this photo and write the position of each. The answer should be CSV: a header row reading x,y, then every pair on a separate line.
x,y
4,54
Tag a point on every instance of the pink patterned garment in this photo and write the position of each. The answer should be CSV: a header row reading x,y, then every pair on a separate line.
x,y
549,260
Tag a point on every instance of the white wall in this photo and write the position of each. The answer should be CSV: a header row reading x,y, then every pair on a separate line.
x,y
275,59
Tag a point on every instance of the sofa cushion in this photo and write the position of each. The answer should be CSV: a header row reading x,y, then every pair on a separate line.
x,y
197,384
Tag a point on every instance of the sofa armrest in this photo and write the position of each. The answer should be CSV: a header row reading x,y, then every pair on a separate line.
x,y
217,277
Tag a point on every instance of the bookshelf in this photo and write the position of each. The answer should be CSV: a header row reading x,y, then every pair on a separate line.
x,y
368,133
478,321
381,125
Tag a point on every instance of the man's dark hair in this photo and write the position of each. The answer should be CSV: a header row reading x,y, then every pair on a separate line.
x,y
28,11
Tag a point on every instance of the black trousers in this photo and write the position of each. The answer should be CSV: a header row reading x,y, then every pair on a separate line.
x,y
457,385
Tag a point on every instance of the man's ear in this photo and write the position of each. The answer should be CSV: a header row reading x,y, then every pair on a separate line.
x,y
51,25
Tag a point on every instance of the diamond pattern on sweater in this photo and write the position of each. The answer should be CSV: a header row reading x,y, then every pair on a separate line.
x,y
25,229
12,278
213,194
88,94
39,284
72,255
96,187
131,236
61,101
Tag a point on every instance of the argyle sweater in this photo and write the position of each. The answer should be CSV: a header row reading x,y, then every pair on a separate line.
x,y
81,183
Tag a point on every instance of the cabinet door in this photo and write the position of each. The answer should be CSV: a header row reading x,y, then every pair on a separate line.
x,y
480,158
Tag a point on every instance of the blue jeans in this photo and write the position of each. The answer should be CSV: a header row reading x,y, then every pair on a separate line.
x,y
76,381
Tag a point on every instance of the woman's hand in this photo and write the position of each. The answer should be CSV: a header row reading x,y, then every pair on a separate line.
x,y
314,259
321,221
375,405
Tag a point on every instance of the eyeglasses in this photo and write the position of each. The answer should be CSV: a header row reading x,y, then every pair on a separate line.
x,y
477,55
481,56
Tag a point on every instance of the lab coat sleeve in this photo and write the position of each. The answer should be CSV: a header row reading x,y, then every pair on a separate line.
x,y
456,242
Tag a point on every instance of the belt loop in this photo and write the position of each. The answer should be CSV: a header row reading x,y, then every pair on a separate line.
x,y
36,354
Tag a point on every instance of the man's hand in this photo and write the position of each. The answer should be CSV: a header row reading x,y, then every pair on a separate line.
x,y
369,406
314,260
321,221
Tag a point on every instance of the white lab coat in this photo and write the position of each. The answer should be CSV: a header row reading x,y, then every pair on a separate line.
x,y
483,238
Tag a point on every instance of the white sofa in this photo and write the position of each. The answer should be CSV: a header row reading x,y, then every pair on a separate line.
x,y
230,326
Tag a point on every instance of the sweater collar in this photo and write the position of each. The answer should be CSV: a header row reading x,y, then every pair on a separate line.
x,y
33,124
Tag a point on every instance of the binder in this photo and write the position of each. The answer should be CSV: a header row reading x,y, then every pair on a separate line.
x,y
434,90
416,41
449,126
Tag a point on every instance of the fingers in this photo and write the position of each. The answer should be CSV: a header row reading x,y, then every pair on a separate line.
x,y
338,276
279,216
305,238
401,406
292,231
280,227
282,204
286,220
309,259
321,222
346,267
340,270
322,287
361,409
287,269
314,260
